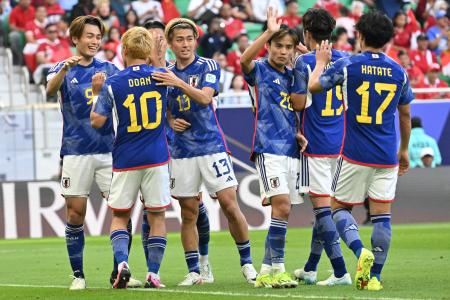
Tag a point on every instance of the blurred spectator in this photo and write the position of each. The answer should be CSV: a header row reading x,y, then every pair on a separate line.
x,y
259,8
35,32
427,157
391,51
422,56
357,10
68,5
233,26
103,10
418,144
225,75
390,7
131,20
332,6
170,10
242,9
215,39
291,17
203,10
415,75
148,10
120,7
83,8
431,9
341,40
432,80
237,86
234,57
55,12
347,22
19,17
403,31
445,62
50,51
437,34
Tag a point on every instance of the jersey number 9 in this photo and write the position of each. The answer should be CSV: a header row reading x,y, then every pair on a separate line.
x,y
143,100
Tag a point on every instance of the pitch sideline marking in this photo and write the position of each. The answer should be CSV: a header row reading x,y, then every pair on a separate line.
x,y
212,293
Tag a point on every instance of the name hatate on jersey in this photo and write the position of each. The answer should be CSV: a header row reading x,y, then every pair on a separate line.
x,y
373,85
275,119
323,116
140,106
75,96
204,136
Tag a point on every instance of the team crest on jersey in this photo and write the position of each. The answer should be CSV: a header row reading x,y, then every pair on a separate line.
x,y
193,80
65,182
172,183
274,182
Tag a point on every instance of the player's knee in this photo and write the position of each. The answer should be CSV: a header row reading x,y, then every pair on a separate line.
x,y
75,216
231,211
281,211
189,216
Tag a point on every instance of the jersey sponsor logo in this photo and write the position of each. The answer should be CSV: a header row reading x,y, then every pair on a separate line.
x,y
172,183
193,80
229,179
277,81
275,182
211,78
74,81
65,182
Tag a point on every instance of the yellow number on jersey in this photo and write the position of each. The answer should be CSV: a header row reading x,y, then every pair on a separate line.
x,y
187,100
328,111
363,90
129,103
286,101
89,95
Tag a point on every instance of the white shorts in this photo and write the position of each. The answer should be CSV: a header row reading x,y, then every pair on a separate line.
x,y
278,175
352,183
319,173
153,183
187,174
80,171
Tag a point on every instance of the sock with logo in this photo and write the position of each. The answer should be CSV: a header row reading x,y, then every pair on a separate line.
x,y
348,230
381,241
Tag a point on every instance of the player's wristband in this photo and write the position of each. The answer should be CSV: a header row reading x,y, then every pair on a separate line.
x,y
94,100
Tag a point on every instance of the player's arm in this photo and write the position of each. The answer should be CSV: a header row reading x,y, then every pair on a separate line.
x,y
404,115
251,52
54,84
299,87
99,114
177,124
323,57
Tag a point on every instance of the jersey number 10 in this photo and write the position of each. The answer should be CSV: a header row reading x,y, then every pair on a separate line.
x,y
129,103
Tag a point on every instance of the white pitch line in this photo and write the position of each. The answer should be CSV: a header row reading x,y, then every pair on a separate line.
x,y
212,293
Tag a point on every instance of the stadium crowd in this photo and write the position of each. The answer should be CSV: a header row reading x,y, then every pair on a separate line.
x,y
37,31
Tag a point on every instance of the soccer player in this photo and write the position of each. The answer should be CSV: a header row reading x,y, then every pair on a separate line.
x,y
140,153
157,29
86,152
199,153
275,148
323,127
374,87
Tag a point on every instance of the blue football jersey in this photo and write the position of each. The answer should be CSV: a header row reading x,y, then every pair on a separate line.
x,y
205,136
323,116
373,85
75,96
140,106
275,119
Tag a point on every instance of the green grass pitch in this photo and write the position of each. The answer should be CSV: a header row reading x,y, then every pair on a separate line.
x,y
418,267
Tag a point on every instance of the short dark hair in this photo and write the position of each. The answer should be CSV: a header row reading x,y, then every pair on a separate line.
x,y
289,2
153,24
376,29
77,26
319,22
416,122
284,31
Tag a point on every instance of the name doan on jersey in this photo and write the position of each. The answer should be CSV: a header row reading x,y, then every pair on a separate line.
x,y
133,82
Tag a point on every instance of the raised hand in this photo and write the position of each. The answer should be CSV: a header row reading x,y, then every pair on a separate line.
x,y
272,24
71,61
323,52
300,48
97,82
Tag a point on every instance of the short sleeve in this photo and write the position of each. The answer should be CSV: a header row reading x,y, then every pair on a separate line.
x,y
54,69
406,95
300,84
250,78
334,75
211,77
104,103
